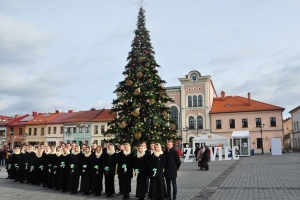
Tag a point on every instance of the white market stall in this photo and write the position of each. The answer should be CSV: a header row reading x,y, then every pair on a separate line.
x,y
242,140
210,140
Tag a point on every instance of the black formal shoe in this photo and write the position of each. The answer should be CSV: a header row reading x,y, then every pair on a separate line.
x,y
97,194
64,191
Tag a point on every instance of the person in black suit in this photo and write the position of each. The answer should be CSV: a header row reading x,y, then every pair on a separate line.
x,y
172,165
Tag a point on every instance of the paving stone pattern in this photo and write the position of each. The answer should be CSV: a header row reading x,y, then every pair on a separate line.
x,y
256,177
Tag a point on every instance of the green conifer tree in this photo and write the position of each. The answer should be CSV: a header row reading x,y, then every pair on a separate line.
x,y
139,112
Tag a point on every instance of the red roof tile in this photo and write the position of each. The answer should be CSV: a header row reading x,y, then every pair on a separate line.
x,y
103,116
232,104
42,119
84,116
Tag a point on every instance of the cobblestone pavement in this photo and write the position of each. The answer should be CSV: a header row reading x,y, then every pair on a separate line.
x,y
255,177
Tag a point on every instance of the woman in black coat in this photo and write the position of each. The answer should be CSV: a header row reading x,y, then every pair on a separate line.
x,y
37,172
97,172
44,166
86,171
51,163
125,172
75,167
14,164
64,170
206,158
109,166
157,165
22,167
140,165
56,168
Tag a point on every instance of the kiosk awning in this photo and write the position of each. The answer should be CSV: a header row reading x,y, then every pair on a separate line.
x,y
240,134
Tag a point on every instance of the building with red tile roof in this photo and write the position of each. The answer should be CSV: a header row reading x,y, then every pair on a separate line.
x,y
236,113
99,126
78,128
3,130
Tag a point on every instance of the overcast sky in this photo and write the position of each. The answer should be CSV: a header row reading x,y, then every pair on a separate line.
x,y
70,54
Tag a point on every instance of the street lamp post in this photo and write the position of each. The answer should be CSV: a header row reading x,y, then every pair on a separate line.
x,y
262,144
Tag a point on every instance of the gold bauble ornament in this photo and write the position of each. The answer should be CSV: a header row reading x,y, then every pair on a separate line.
x,y
129,82
123,125
152,101
164,113
141,59
173,126
155,124
136,112
137,91
123,100
161,92
149,80
137,135
147,64
139,74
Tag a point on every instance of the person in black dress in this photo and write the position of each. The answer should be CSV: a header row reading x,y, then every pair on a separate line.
x,y
63,177
157,165
37,170
86,171
14,164
125,172
51,168
97,171
75,167
44,166
118,153
22,167
109,166
140,165
56,168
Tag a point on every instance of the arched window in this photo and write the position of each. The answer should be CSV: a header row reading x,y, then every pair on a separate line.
x,y
189,101
199,122
200,103
191,122
174,115
195,101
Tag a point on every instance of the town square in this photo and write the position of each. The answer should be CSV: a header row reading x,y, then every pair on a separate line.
x,y
149,100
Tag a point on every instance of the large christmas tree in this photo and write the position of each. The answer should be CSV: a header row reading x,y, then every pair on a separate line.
x,y
140,113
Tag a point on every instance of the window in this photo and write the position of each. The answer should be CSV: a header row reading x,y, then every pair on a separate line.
x,y
189,101
86,142
258,122
174,115
245,123
42,131
218,124
87,129
191,122
68,130
200,100
195,101
49,130
29,131
20,131
102,128
96,130
297,126
232,123
96,141
74,130
259,143
54,130
2,133
199,122
35,131
61,130
80,129
273,121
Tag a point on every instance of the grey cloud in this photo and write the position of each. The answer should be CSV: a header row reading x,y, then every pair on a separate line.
x,y
20,43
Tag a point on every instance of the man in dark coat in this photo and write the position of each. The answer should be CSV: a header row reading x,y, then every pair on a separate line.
x,y
172,165
109,164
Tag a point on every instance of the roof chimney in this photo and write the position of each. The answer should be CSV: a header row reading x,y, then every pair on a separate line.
x,y
16,116
249,103
34,114
186,76
70,111
57,111
223,96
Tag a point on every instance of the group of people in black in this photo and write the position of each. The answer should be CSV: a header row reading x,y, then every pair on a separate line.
x,y
61,167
